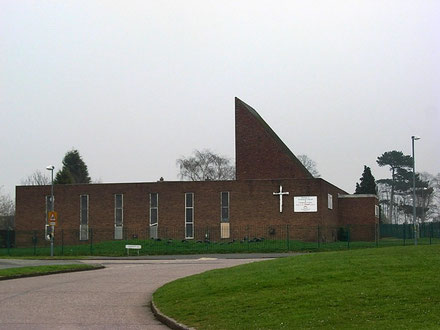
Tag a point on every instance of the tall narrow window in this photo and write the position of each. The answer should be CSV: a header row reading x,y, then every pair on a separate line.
x,y
330,201
154,214
224,215
84,217
119,215
189,215
225,206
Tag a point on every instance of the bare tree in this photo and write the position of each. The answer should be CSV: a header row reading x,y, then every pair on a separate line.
x,y
436,184
36,179
7,206
383,193
309,164
205,165
428,197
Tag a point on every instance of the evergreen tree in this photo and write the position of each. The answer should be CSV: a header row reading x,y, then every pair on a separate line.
x,y
63,176
74,169
367,183
404,188
403,194
395,160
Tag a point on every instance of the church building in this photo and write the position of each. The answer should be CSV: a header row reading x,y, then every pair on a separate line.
x,y
273,195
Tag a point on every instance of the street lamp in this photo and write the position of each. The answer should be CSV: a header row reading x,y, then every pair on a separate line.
x,y
51,168
413,138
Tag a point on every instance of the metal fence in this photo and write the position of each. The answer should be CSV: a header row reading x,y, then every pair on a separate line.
x,y
280,238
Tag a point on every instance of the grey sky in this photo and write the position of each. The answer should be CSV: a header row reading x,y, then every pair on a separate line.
x,y
133,85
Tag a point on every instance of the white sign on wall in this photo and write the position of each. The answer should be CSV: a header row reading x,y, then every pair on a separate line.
x,y
305,204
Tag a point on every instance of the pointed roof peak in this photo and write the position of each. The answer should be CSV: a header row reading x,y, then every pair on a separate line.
x,y
242,106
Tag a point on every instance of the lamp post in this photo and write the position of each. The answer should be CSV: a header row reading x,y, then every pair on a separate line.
x,y
413,138
51,168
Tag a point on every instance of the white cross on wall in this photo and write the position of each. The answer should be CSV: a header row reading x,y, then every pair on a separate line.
x,y
281,193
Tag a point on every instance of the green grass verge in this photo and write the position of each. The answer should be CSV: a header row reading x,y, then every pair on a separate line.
x,y
169,247
43,257
393,288
10,273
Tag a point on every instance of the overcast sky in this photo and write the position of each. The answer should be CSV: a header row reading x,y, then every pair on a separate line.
x,y
134,85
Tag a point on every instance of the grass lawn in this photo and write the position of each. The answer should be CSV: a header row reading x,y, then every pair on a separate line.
x,y
10,273
165,246
392,288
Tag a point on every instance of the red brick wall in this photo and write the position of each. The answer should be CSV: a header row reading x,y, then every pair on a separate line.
x,y
259,152
330,217
358,211
253,208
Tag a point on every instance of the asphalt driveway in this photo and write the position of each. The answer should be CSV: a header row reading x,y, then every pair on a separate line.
x,y
112,298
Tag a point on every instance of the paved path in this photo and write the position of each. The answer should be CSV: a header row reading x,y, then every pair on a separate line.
x,y
112,298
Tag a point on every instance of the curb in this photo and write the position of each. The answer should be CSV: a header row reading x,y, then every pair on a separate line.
x,y
168,321
198,256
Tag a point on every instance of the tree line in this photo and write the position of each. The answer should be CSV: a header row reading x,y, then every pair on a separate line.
x,y
394,194
204,165
74,170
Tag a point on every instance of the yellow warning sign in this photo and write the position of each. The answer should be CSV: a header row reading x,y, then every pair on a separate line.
x,y
52,218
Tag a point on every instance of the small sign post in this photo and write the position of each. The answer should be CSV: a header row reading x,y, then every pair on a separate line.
x,y
133,247
52,218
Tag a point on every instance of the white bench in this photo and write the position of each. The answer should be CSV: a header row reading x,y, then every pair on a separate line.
x,y
133,247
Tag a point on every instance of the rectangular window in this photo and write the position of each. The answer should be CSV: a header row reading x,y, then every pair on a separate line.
x,y
224,197
376,211
189,215
84,217
154,214
330,202
119,215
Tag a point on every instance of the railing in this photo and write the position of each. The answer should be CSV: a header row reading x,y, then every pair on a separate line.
x,y
208,240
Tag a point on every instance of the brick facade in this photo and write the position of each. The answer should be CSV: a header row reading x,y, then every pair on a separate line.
x,y
264,164
259,152
361,214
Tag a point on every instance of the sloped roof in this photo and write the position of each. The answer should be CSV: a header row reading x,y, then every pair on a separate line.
x,y
272,134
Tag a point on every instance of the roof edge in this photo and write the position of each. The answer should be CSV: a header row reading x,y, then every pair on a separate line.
x,y
357,196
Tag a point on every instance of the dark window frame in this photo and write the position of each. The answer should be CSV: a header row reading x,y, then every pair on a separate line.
x,y
189,223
